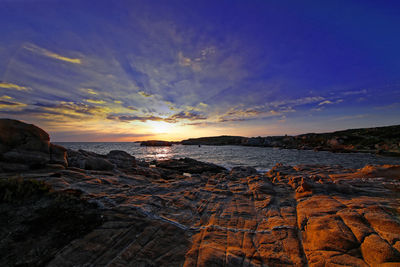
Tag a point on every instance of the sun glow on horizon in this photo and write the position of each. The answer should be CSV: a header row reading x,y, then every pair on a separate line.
x,y
160,127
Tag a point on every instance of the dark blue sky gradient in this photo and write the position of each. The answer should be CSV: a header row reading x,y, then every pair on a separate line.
x,y
219,67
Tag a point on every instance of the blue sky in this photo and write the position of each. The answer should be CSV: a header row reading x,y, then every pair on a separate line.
x,y
132,70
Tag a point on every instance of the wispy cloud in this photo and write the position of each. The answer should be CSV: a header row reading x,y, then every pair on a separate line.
x,y
68,110
330,102
144,94
13,86
238,114
90,91
326,102
128,118
95,136
355,92
350,117
94,101
185,70
190,116
269,109
296,102
39,50
185,115
8,103
256,113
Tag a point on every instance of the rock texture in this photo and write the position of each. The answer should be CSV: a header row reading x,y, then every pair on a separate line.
x,y
290,216
36,223
92,161
187,213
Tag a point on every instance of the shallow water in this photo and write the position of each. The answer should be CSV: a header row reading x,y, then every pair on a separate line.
x,y
261,158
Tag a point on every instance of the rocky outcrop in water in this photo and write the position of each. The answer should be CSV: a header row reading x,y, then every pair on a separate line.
x,y
155,143
188,165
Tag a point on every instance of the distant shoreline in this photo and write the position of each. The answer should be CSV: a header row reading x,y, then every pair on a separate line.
x,y
384,141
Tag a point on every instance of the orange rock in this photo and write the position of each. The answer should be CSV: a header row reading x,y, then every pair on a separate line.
x,y
376,250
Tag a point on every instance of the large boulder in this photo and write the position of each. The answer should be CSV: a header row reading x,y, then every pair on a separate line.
x,y
22,146
17,134
25,146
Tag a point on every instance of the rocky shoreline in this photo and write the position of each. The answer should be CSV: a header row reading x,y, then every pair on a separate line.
x,y
126,212
379,140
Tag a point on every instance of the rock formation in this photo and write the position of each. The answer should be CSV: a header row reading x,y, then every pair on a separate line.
x,y
188,165
178,213
92,161
26,146
155,143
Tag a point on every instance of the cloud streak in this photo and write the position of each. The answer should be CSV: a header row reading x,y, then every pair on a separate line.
x,y
38,50
7,103
7,85
181,116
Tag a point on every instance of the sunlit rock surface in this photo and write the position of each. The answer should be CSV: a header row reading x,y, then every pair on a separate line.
x,y
303,215
182,213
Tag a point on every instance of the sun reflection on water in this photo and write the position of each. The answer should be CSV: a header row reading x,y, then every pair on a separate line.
x,y
159,153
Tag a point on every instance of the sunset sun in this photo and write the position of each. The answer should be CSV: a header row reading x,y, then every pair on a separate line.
x,y
160,127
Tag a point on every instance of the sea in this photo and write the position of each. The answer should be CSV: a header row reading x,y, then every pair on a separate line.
x,y
261,158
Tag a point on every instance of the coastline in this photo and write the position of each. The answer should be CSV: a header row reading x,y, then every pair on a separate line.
x,y
383,141
185,212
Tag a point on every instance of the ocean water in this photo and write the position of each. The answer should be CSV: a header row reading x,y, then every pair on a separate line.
x,y
261,158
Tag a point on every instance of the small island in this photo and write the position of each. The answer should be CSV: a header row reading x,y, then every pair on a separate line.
x,y
155,143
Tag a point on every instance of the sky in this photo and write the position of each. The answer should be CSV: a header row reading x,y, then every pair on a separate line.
x,y
171,70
